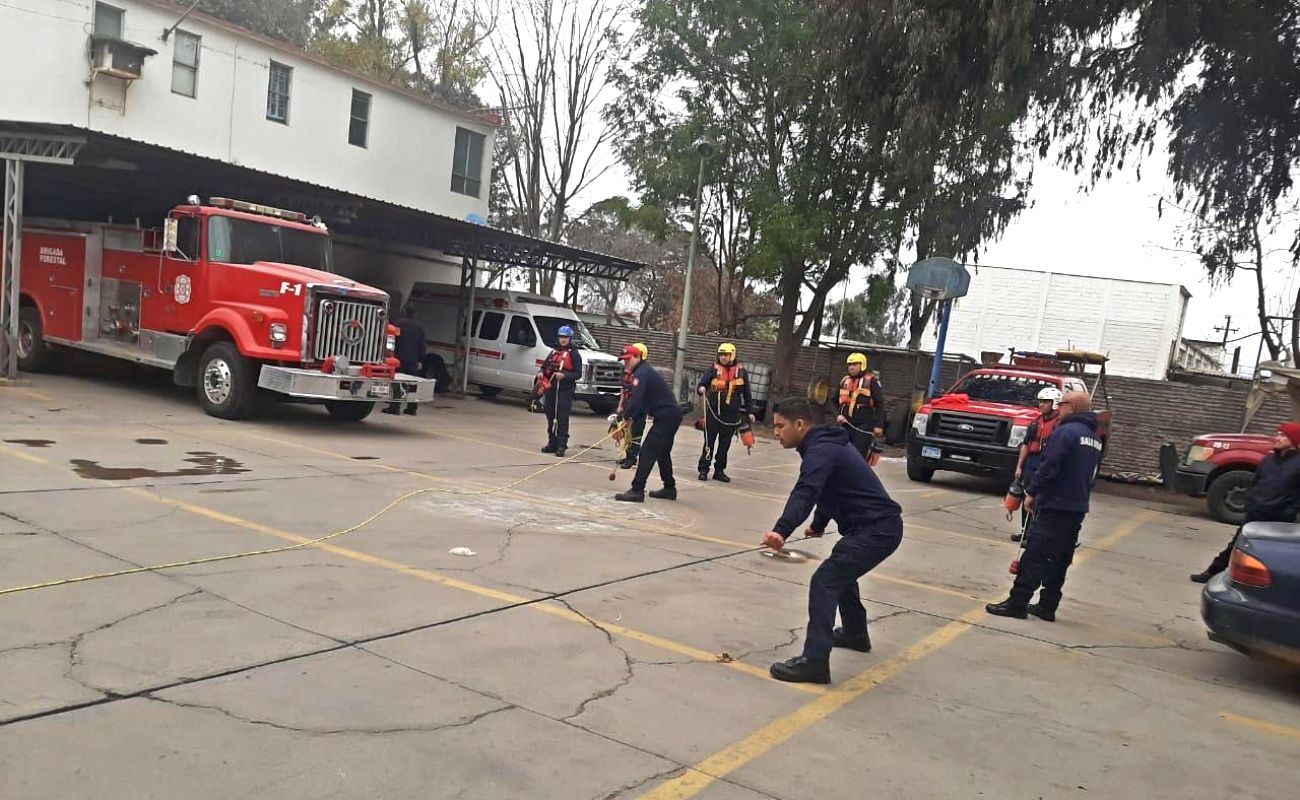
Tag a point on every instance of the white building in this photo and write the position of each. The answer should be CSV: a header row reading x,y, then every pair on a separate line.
x,y
1137,323
1200,355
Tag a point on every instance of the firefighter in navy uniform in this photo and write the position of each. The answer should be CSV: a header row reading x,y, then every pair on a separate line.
x,y
557,382
1057,496
861,405
1035,438
636,425
651,397
725,389
834,484
409,352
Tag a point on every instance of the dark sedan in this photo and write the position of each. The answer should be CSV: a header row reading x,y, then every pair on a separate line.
x,y
1254,606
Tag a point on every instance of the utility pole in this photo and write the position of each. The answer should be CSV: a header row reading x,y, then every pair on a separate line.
x,y
1227,329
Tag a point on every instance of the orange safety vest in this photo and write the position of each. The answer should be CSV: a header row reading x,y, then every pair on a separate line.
x,y
1045,428
854,389
727,378
559,361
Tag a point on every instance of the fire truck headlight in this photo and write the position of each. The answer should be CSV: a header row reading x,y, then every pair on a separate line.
x,y
920,422
391,343
1017,436
279,333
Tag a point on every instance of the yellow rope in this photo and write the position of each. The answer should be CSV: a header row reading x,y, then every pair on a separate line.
x,y
367,521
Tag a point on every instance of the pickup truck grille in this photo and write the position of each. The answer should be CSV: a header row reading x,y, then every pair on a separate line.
x,y
350,329
605,374
969,428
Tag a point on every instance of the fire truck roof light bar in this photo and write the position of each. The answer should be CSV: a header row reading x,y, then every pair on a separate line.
x,y
257,208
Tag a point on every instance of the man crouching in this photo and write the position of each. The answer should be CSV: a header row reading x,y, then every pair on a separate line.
x,y
835,479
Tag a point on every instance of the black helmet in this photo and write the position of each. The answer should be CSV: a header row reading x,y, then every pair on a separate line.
x,y
1016,489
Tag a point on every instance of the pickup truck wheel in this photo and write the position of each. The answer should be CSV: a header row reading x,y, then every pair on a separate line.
x,y
349,410
1226,496
227,385
33,353
918,473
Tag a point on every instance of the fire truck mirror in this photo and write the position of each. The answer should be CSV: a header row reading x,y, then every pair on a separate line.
x,y
171,233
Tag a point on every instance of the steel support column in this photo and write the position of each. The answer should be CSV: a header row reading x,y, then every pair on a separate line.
x,y
11,246
571,285
464,320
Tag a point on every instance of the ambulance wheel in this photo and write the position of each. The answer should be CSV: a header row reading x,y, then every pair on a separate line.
x,y
33,353
227,385
919,473
604,407
349,410
488,391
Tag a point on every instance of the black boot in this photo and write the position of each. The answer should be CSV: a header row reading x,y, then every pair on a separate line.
x,y
559,452
853,641
704,474
1015,537
411,410
630,496
1202,577
666,493
802,670
392,408
627,463
1042,613
719,475
1006,609
550,448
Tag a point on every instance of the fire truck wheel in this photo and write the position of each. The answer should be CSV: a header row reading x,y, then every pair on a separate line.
x,y
33,353
227,385
349,410
919,473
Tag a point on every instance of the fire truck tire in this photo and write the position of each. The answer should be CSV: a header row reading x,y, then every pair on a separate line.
x,y
33,353
1226,497
918,473
349,410
227,385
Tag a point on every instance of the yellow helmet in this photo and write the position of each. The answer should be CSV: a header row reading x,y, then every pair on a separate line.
x,y
857,358
645,351
726,349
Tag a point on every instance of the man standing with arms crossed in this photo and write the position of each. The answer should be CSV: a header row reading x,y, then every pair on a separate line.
x,y
836,481
1057,496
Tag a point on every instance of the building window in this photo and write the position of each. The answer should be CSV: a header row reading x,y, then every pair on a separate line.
x,y
277,93
359,124
467,163
108,21
185,63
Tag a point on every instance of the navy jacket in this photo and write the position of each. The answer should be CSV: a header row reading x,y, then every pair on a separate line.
x,y
651,395
1063,480
411,342
836,479
1274,495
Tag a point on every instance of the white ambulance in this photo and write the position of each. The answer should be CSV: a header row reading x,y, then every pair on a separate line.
x,y
511,333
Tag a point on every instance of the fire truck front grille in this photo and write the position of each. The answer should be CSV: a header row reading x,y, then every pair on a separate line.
x,y
969,428
603,374
350,329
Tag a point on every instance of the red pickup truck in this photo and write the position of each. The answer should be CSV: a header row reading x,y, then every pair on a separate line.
x,y
977,427
1220,467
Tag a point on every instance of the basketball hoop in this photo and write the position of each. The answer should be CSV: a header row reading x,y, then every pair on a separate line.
x,y
938,278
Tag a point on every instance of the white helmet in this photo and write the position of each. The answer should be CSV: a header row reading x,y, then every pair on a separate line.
x,y
1050,393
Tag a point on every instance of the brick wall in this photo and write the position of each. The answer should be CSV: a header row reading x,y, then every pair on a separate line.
x,y
1147,413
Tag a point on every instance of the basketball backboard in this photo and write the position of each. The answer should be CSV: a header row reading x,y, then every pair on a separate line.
x,y
938,278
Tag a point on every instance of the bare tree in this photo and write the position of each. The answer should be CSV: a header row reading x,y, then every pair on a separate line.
x,y
550,67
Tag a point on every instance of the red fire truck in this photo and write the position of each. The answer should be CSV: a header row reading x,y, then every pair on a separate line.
x,y
236,299
977,427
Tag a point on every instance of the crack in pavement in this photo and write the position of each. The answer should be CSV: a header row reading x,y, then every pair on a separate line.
x,y
628,662
76,641
464,722
671,772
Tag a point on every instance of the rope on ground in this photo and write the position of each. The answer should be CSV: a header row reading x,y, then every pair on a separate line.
x,y
300,545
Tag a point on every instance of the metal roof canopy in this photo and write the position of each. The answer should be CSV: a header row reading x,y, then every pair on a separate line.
x,y
127,180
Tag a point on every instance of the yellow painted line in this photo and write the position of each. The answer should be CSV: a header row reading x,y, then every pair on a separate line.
x,y
722,763
28,392
1263,725
21,456
464,586
918,585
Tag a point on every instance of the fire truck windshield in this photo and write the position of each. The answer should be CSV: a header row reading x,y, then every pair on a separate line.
x,y
1018,390
241,241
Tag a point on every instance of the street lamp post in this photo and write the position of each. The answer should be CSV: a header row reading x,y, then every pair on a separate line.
x,y
704,148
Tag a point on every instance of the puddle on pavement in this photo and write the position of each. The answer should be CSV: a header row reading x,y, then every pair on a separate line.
x,y
30,442
205,463
151,441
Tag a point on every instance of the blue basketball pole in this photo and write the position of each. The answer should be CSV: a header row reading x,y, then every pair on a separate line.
x,y
938,350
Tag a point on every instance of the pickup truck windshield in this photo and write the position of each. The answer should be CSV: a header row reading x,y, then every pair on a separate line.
x,y
1015,390
582,338
241,241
